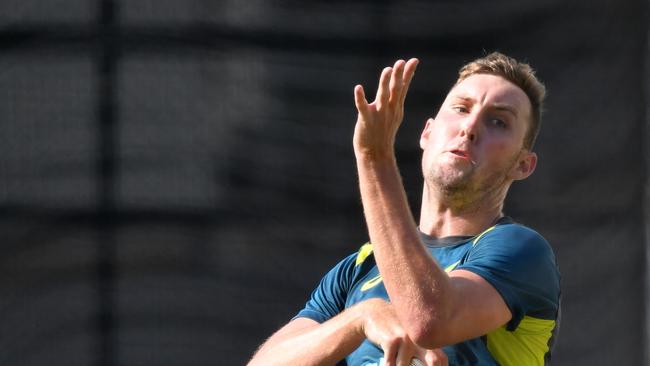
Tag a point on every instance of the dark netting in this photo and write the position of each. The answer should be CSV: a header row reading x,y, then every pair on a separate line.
x,y
176,176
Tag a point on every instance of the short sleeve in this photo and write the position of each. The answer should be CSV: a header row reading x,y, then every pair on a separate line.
x,y
329,297
521,266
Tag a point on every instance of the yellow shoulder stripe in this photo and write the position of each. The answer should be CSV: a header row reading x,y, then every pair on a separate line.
x,y
481,235
364,252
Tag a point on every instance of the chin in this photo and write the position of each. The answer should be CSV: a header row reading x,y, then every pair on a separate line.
x,y
450,180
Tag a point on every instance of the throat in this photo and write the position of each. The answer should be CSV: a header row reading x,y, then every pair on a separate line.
x,y
443,217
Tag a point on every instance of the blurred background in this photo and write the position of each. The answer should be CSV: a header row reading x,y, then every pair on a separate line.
x,y
177,175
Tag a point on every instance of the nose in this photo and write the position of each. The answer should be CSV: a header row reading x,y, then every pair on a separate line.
x,y
470,127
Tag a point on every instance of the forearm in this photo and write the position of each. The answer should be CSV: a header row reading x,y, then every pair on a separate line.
x,y
320,344
419,290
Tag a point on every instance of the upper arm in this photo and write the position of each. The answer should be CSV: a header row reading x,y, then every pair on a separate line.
x,y
509,273
520,266
478,310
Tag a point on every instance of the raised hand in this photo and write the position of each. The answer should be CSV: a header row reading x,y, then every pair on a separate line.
x,y
377,122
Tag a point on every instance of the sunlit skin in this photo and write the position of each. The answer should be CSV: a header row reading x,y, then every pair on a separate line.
x,y
473,150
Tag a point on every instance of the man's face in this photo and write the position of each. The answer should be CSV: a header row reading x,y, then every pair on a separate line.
x,y
475,143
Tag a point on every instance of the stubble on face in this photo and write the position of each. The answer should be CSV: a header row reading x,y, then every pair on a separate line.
x,y
463,170
463,186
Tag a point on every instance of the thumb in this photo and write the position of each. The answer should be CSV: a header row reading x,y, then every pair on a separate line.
x,y
360,101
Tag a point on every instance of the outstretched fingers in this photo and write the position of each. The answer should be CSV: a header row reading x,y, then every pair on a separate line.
x,y
393,84
409,71
396,82
383,90
360,101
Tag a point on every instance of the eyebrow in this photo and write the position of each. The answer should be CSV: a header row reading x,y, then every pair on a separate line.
x,y
466,99
505,107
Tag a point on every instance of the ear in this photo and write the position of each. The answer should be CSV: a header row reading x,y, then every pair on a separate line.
x,y
424,138
525,166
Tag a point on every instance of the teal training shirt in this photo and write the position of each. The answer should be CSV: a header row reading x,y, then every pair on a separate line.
x,y
516,260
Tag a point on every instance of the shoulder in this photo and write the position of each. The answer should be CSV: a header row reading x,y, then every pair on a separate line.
x,y
354,264
513,238
514,251
520,264
514,231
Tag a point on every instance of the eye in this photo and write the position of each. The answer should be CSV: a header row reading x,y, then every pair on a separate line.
x,y
460,108
498,122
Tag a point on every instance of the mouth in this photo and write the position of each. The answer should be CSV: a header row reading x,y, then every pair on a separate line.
x,y
463,154
460,153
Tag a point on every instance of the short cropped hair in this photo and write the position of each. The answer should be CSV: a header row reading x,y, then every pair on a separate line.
x,y
518,73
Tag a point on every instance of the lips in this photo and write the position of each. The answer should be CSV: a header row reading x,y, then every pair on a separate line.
x,y
462,153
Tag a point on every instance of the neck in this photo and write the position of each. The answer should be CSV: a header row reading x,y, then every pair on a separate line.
x,y
443,216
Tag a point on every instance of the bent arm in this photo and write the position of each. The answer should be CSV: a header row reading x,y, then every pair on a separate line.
x,y
306,342
435,308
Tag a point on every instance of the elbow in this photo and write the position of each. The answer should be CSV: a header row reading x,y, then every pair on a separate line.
x,y
429,334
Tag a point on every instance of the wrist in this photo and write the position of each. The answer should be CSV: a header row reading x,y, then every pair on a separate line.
x,y
374,151
375,157
364,312
359,313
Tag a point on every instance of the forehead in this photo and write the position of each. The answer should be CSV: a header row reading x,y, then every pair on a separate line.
x,y
492,90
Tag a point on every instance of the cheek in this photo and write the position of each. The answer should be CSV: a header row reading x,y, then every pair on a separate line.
x,y
498,150
501,147
442,133
427,154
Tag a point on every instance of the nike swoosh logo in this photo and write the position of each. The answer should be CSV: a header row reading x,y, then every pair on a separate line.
x,y
371,283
